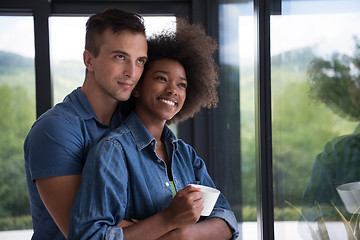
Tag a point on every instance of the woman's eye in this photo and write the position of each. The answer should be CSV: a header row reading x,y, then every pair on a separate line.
x,y
161,78
183,85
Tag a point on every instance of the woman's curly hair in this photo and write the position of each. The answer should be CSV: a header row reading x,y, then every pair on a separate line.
x,y
191,47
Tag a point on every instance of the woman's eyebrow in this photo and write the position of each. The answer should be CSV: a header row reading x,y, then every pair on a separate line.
x,y
166,72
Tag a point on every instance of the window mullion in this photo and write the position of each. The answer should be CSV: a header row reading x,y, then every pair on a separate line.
x,y
263,122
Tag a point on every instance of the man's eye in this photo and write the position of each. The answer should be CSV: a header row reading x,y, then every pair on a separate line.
x,y
141,61
120,57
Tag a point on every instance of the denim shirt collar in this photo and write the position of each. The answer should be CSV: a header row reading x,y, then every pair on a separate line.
x,y
142,136
85,110
82,104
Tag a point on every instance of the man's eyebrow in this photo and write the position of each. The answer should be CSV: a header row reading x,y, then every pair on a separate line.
x,y
126,54
120,52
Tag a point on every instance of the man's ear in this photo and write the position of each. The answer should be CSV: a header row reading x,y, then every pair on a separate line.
x,y
88,60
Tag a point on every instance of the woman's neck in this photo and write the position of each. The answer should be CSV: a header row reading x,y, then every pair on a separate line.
x,y
153,125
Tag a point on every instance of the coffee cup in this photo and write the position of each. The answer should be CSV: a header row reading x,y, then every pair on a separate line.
x,y
210,196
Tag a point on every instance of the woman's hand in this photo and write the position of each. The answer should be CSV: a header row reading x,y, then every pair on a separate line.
x,y
185,208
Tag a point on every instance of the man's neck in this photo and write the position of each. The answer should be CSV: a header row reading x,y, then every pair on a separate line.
x,y
103,105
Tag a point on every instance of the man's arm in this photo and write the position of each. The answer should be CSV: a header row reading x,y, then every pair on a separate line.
x,y
58,194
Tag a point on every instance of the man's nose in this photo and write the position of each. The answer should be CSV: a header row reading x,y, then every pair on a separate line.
x,y
129,70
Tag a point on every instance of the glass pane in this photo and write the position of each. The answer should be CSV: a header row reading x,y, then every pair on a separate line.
x,y
236,51
315,54
17,111
67,42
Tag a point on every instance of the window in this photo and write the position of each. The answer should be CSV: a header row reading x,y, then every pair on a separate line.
x,y
17,110
312,46
314,88
236,54
314,79
67,42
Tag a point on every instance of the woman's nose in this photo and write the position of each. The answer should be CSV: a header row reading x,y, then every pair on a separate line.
x,y
171,89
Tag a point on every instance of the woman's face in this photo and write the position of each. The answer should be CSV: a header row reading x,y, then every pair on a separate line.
x,y
162,92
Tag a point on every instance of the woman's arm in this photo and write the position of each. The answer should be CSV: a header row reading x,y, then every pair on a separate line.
x,y
183,210
213,228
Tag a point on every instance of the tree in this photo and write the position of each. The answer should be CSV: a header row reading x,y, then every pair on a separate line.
x,y
17,115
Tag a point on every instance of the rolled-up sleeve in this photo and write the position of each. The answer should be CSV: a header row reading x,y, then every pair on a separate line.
x,y
229,217
101,200
114,233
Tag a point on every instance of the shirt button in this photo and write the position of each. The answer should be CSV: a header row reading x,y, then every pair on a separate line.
x,y
167,184
159,160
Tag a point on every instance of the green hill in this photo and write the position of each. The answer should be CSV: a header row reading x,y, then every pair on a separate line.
x,y
16,70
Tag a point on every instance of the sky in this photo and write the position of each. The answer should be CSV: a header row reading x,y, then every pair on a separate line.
x,y
67,35
327,25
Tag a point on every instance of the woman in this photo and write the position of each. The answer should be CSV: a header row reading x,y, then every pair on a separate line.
x,y
143,170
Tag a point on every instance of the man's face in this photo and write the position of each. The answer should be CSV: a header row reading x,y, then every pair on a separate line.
x,y
119,64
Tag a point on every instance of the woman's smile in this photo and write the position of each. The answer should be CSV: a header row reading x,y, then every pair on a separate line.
x,y
168,102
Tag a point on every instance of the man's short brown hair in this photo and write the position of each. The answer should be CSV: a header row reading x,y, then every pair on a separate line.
x,y
115,19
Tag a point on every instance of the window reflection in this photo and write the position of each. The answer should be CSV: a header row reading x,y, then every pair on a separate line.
x,y
314,74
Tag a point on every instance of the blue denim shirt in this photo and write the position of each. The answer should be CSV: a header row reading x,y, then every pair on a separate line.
x,y
57,145
123,178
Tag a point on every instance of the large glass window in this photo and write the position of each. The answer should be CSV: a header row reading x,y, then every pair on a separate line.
x,y
17,111
315,56
315,51
315,89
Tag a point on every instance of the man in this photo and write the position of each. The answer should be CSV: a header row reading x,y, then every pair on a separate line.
x,y
57,144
